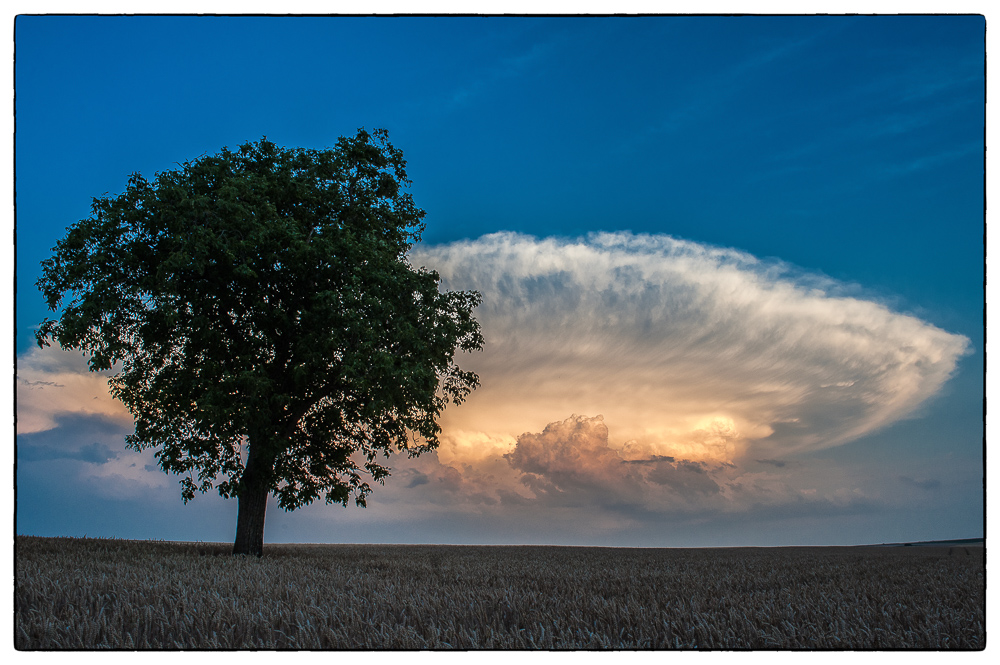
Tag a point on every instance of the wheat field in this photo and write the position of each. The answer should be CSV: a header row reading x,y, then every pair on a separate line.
x,y
118,594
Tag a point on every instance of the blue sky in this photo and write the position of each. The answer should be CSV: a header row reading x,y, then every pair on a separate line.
x,y
790,198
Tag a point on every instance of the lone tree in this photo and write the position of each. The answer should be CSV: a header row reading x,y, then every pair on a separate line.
x,y
271,336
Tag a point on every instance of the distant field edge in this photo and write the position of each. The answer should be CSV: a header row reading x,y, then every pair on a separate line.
x,y
955,542
964,542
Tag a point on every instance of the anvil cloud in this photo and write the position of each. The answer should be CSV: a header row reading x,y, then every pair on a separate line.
x,y
687,350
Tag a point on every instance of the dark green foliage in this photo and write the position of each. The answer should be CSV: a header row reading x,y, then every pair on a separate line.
x,y
261,310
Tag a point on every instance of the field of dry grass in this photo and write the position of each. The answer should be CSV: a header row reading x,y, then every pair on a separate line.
x,y
97,594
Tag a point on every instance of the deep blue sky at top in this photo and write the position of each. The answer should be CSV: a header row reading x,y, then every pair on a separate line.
x,y
850,146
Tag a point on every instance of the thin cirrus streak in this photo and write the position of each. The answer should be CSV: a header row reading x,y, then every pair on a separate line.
x,y
687,350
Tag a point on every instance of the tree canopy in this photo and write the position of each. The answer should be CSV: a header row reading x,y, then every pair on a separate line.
x,y
268,332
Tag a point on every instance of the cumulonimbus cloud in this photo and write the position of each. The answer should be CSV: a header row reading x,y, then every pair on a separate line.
x,y
690,352
687,350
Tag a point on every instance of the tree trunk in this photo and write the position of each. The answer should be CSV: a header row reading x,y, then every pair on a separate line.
x,y
252,505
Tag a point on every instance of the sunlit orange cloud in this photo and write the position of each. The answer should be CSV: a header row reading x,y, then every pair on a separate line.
x,y
686,350
52,382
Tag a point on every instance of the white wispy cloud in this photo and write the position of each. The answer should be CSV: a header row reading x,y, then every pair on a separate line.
x,y
502,69
721,86
931,160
